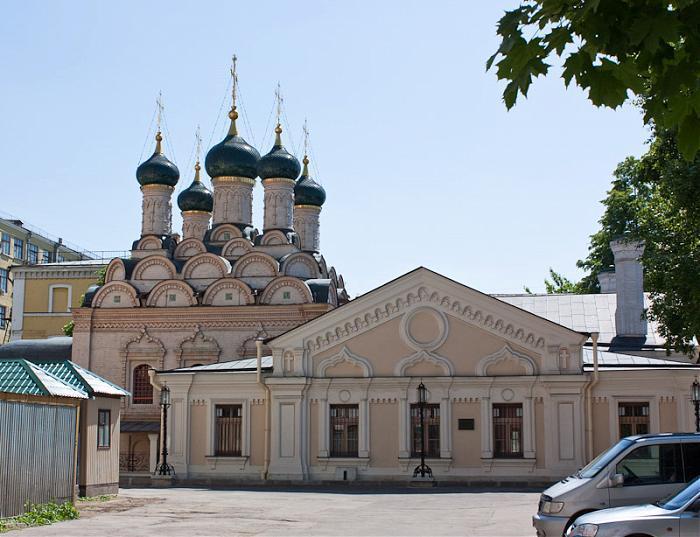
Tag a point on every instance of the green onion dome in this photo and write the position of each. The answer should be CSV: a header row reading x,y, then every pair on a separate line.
x,y
157,170
233,156
196,197
307,191
279,163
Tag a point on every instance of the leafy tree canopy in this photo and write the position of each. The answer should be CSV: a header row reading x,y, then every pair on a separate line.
x,y
613,49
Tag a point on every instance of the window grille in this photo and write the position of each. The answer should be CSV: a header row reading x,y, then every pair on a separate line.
x,y
344,427
508,430
103,428
227,425
633,418
142,388
430,436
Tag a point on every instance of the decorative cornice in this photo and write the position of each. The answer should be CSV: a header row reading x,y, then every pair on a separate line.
x,y
156,187
278,180
503,355
424,356
228,179
348,357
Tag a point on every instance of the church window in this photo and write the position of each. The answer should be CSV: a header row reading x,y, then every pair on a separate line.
x,y
344,430
19,249
32,253
141,386
5,244
508,430
3,280
634,418
430,435
227,440
103,428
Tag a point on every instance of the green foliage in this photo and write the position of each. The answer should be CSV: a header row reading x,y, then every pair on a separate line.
x,y
68,328
101,273
101,498
559,284
40,515
615,50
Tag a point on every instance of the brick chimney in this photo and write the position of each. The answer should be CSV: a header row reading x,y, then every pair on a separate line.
x,y
629,287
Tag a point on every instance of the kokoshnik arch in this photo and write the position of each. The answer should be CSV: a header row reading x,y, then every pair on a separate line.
x,y
275,374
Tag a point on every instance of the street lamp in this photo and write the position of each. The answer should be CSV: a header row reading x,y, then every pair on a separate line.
x,y
422,469
695,398
164,468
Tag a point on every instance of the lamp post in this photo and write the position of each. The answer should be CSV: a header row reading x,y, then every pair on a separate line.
x,y
422,469
695,398
164,468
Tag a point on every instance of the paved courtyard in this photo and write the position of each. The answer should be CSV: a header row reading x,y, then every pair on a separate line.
x,y
189,512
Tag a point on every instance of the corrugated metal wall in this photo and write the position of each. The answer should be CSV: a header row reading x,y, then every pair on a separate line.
x,y
36,454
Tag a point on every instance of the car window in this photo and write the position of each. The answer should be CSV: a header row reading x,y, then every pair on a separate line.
x,y
691,459
652,465
602,460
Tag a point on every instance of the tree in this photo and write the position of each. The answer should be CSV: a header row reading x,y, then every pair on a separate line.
x,y
559,284
616,50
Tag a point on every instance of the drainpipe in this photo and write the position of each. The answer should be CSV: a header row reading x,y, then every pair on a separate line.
x,y
589,398
261,382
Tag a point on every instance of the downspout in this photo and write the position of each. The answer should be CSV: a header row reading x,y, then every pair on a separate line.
x,y
589,398
261,382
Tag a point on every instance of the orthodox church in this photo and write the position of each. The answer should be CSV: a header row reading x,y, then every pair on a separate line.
x,y
275,374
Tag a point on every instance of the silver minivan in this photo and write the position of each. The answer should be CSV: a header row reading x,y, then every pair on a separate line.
x,y
638,469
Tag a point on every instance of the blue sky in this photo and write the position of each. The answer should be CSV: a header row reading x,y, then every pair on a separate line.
x,y
420,160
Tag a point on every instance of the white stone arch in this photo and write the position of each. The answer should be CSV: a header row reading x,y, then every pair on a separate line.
x,y
503,355
424,356
190,247
323,266
216,293
332,294
206,267
345,355
116,270
117,294
171,293
154,267
219,234
149,242
274,292
256,264
273,237
236,247
300,265
333,275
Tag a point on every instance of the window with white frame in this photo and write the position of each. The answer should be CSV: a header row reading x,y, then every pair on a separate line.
x,y
228,421
104,419
508,430
344,430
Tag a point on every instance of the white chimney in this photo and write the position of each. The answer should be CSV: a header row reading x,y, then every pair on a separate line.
x,y
629,287
606,280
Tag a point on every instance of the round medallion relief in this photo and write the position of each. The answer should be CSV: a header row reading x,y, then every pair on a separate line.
x,y
507,394
344,396
424,328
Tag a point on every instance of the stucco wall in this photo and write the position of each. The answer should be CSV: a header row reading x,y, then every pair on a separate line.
x,y
601,426
466,445
384,427
198,433
668,415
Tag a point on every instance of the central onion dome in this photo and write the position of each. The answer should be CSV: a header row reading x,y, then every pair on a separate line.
x,y
157,170
279,163
307,191
196,197
233,156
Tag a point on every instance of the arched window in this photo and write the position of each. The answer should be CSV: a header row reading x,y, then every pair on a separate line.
x,y
141,388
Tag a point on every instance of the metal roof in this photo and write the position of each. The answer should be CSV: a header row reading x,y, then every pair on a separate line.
x,y
247,364
25,378
81,378
54,348
614,360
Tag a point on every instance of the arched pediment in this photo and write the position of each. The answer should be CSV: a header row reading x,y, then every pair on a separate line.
x,y
333,276
432,365
143,344
189,248
256,264
225,232
203,268
149,242
154,267
171,293
116,294
274,237
236,248
506,362
300,265
228,292
116,271
286,290
327,366
332,294
323,266
197,348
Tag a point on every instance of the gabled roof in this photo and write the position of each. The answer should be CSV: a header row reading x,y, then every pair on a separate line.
x,y
81,378
25,378
54,348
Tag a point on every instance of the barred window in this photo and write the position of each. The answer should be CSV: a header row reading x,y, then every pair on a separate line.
x,y
227,428
141,386
634,418
32,253
104,439
430,436
344,428
508,430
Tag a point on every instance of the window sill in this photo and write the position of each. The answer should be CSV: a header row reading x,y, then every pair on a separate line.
x,y
228,462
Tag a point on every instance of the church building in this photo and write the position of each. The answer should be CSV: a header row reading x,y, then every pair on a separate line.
x,y
275,374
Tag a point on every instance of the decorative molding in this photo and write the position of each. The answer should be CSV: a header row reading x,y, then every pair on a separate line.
x,y
442,324
466,399
238,243
198,340
151,261
220,263
345,355
383,400
256,257
424,356
300,258
116,264
227,283
181,251
274,237
170,285
503,355
394,308
116,287
217,235
286,281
